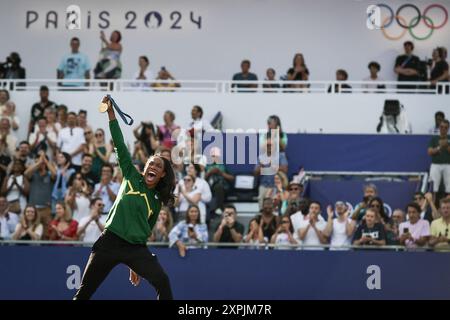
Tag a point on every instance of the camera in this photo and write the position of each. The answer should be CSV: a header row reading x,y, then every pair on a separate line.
x,y
405,230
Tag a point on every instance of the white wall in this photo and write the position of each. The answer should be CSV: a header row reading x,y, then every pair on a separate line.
x,y
332,34
312,113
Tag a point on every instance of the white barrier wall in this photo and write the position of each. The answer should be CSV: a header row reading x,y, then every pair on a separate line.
x,y
331,34
311,113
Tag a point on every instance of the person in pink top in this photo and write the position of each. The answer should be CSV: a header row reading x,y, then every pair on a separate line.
x,y
166,130
415,232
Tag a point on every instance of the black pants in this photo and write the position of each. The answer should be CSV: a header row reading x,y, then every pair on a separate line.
x,y
111,250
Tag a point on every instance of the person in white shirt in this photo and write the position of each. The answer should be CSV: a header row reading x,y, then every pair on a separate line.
x,y
106,188
16,187
77,198
30,226
10,113
311,230
8,220
374,68
300,216
341,228
187,194
197,122
91,227
283,237
438,117
71,140
6,135
200,184
144,73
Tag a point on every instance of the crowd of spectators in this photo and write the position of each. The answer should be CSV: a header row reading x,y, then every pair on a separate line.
x,y
77,66
61,181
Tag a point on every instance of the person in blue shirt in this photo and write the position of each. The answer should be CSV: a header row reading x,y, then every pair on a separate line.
x,y
74,65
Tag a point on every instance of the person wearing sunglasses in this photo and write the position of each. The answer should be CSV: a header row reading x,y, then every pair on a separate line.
x,y
91,227
377,205
187,194
295,190
440,228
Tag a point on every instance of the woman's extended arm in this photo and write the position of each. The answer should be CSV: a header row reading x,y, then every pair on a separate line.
x,y
123,155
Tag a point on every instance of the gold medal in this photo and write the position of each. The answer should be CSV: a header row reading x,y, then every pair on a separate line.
x,y
103,107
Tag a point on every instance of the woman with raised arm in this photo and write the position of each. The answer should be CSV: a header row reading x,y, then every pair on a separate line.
x,y
130,221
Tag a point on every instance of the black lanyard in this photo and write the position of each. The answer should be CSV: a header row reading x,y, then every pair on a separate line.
x,y
125,117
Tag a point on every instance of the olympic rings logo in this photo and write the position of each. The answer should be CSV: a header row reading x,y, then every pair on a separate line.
x,y
414,22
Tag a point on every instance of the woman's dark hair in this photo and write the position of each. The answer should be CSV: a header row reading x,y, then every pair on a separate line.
x,y
382,212
67,157
199,110
144,58
291,227
73,178
250,223
198,170
277,121
119,35
167,183
189,209
295,57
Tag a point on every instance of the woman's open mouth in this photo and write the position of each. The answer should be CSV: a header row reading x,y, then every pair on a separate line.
x,y
150,176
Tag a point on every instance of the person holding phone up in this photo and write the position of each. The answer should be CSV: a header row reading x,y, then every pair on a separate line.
x,y
416,231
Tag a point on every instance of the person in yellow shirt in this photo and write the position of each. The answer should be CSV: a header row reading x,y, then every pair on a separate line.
x,y
166,81
440,228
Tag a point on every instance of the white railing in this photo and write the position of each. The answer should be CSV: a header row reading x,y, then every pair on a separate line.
x,y
227,86
223,245
374,175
